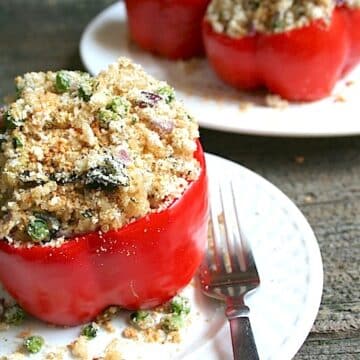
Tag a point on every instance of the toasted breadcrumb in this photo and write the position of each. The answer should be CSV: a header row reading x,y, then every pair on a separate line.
x,y
24,334
276,101
92,153
130,333
174,337
55,356
154,335
14,356
239,18
245,105
79,348
112,351
339,98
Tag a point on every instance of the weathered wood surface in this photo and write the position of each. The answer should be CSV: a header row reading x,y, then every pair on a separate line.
x,y
44,34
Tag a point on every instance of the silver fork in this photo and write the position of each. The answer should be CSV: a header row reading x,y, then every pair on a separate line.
x,y
228,271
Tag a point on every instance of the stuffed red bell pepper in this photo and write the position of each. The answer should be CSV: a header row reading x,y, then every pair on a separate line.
x,y
103,194
170,28
297,49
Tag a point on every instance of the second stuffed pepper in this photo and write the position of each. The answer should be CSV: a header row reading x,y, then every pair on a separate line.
x,y
297,49
170,28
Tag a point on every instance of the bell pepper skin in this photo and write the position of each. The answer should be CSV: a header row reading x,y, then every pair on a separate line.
x,y
141,265
303,64
353,18
170,28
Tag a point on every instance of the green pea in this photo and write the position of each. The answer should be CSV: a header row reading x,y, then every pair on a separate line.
x,y
139,315
90,331
106,116
119,106
173,322
14,315
142,319
63,81
167,93
33,344
38,230
180,305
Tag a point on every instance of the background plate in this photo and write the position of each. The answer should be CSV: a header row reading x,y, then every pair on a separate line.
x,y
283,309
216,105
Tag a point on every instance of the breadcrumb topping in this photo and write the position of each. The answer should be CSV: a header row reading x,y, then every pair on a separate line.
x,y
238,18
82,153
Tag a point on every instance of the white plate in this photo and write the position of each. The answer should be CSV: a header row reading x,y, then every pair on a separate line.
x,y
283,309
216,105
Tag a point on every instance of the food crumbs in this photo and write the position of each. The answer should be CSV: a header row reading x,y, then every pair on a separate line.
x,y
339,99
174,337
130,333
55,356
245,105
112,351
276,102
79,348
14,356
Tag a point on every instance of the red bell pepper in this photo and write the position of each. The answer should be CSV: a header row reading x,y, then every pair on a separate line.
x,y
170,28
301,64
141,265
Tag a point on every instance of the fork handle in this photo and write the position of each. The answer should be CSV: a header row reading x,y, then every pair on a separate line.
x,y
243,343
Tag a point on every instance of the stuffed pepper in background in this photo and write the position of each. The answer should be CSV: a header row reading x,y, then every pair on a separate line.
x,y
170,28
103,194
297,49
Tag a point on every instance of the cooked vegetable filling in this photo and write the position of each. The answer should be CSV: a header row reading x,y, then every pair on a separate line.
x,y
82,153
246,17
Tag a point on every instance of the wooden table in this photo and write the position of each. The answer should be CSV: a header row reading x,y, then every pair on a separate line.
x,y
321,175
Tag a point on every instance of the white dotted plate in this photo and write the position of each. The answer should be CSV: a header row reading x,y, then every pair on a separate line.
x,y
283,309
216,105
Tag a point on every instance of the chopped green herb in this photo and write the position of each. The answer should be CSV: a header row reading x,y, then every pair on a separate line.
x,y
87,214
90,331
10,122
180,305
173,322
107,176
117,109
119,106
142,319
139,315
63,178
33,344
85,89
167,93
63,81
29,179
14,315
17,143
106,116
38,230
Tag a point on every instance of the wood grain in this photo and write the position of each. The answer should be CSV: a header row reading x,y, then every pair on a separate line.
x,y
44,34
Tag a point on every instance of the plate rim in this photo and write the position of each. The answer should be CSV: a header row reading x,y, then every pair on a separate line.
x,y
325,132
316,290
